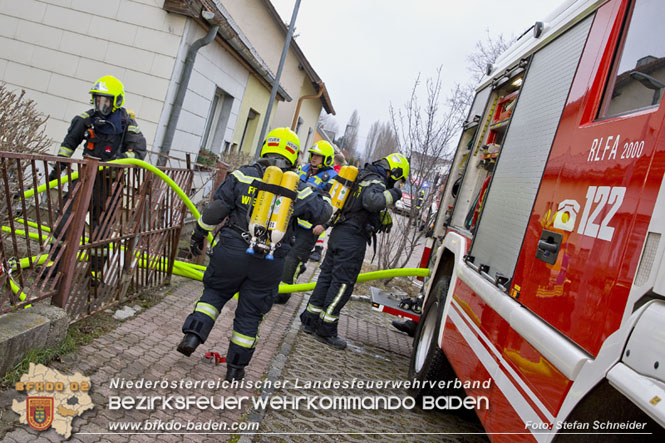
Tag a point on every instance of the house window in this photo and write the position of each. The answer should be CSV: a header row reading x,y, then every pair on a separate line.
x,y
216,124
247,140
637,80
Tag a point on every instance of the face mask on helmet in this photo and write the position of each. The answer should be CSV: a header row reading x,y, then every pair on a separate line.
x,y
383,163
277,160
103,104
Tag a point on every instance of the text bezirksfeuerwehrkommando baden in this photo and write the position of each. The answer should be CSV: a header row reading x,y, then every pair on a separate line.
x,y
128,400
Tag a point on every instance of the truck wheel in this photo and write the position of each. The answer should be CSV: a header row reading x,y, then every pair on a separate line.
x,y
428,362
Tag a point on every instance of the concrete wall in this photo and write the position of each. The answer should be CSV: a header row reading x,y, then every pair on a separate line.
x,y
56,49
39,327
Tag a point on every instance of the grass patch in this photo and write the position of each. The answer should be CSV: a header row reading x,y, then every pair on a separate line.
x,y
85,331
78,334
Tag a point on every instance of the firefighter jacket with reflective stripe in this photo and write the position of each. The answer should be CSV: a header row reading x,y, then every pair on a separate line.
x,y
237,192
320,180
109,138
370,196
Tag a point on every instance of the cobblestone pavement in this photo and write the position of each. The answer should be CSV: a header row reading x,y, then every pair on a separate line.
x,y
143,347
376,352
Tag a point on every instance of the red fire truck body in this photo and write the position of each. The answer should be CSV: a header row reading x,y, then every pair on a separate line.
x,y
548,275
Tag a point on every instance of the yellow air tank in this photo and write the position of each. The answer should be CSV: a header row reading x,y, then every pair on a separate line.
x,y
281,213
340,191
258,222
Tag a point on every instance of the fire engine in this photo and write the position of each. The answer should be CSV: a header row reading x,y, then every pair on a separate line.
x,y
547,269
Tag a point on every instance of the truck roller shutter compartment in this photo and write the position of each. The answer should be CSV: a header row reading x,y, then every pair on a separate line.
x,y
525,151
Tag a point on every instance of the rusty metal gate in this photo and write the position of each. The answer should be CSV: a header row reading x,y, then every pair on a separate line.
x,y
105,231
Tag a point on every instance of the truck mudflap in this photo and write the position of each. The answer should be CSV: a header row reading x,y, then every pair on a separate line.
x,y
391,303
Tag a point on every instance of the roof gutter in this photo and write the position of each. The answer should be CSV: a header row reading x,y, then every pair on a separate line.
x,y
234,37
231,38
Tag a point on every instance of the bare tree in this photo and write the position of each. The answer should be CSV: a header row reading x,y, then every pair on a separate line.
x,y
486,52
350,137
424,132
381,141
22,126
22,130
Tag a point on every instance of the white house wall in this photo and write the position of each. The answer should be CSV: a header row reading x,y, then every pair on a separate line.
x,y
214,68
56,49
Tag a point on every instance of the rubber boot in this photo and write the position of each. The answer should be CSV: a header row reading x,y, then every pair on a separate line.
x,y
282,299
316,254
188,344
235,373
408,326
334,341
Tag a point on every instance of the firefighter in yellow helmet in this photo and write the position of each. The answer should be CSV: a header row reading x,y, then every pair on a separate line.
x,y
107,132
231,268
318,173
365,213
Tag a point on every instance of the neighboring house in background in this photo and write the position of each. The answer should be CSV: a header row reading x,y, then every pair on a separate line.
x,y
144,43
264,28
322,134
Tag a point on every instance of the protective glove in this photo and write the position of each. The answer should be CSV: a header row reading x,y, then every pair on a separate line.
x,y
55,172
196,242
386,222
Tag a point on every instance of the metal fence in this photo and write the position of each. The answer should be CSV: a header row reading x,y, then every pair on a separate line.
x,y
105,231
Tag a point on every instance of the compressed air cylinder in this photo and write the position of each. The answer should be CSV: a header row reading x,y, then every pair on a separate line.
x,y
340,191
258,222
281,212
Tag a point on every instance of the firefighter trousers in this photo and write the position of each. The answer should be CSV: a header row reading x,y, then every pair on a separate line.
x,y
299,253
106,198
256,280
339,271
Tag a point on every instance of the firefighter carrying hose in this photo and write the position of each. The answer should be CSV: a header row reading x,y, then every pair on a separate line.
x,y
317,173
238,263
376,188
109,133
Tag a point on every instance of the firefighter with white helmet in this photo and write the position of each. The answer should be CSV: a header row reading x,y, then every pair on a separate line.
x,y
232,269
317,173
376,189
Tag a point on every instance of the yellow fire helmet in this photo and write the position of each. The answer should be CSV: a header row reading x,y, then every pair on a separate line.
x,y
325,150
109,86
399,166
282,141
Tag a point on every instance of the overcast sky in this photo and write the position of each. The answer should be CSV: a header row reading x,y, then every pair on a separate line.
x,y
369,52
